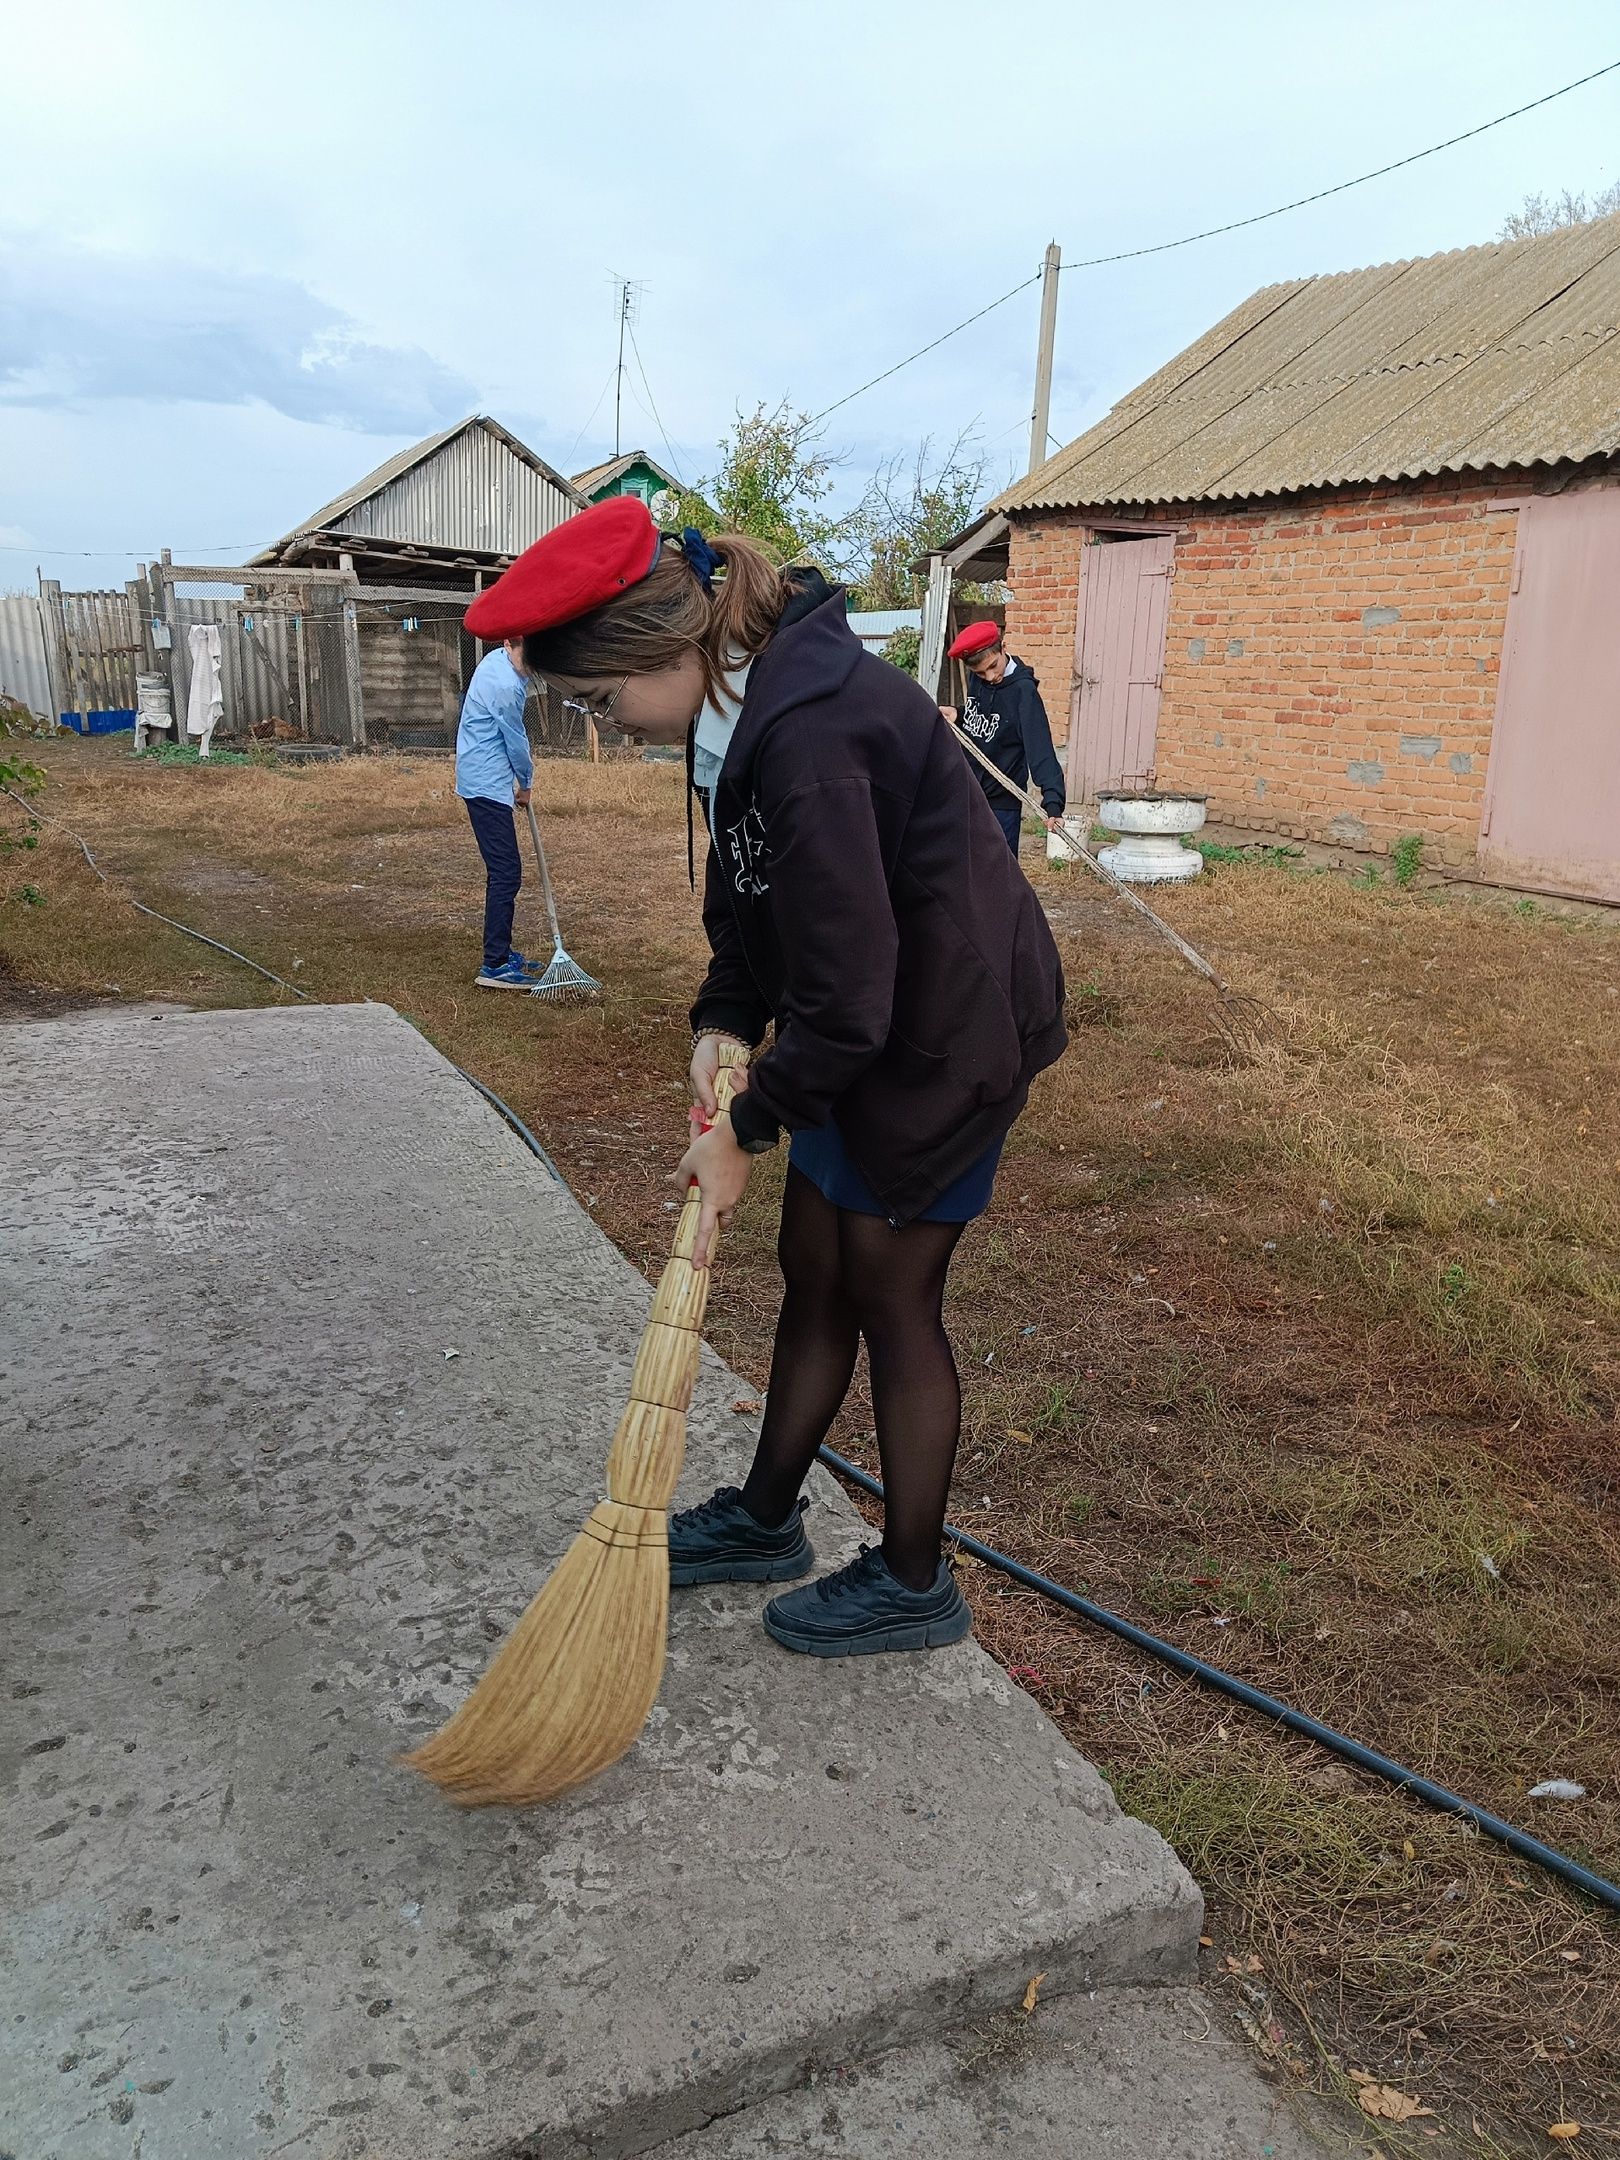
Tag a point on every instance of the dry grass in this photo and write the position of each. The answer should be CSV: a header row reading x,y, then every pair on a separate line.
x,y
1311,1365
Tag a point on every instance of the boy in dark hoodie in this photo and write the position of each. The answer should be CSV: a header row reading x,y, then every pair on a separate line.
x,y
1005,718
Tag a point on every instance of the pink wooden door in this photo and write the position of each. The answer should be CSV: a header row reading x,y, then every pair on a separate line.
x,y
1118,664
1551,818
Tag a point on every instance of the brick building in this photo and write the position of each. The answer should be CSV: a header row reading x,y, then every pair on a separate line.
x,y
1350,566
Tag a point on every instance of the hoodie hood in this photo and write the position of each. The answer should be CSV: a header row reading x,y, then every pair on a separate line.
x,y
811,656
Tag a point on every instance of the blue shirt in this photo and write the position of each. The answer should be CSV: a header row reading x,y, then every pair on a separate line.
x,y
492,751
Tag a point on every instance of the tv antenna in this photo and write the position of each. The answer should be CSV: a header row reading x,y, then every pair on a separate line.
x,y
627,294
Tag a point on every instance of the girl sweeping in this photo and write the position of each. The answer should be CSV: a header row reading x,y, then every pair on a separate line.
x,y
861,902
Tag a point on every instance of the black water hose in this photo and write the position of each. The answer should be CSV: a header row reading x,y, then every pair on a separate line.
x,y
516,1123
1253,1698
140,906
1182,1661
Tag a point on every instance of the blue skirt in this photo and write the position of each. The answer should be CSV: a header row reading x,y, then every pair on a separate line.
x,y
821,1156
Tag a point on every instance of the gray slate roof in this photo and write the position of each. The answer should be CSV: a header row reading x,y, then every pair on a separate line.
x,y
1487,356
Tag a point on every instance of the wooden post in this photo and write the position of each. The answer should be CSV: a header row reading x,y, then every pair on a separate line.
x,y
1043,356
351,653
935,624
593,738
51,619
169,659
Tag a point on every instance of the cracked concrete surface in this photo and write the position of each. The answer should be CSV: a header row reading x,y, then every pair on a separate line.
x,y
263,1533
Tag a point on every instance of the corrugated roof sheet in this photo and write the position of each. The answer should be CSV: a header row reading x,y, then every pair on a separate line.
x,y
341,510
1488,356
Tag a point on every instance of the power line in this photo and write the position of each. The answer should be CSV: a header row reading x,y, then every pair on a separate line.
x,y
966,323
214,547
641,370
1163,247
589,417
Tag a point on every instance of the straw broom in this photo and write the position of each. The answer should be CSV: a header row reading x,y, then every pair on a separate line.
x,y
570,1688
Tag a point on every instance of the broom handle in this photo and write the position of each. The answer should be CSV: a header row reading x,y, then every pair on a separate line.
x,y
1031,800
646,1457
545,875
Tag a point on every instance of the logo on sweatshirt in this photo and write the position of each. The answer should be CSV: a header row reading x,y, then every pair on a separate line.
x,y
978,723
746,853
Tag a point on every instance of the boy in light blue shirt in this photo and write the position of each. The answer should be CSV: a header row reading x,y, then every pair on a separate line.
x,y
494,770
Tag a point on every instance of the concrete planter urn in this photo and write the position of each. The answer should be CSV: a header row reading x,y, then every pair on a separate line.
x,y
1151,826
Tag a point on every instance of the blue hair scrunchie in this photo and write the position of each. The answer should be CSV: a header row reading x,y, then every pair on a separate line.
x,y
700,555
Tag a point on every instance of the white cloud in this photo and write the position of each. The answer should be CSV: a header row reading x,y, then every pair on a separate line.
x,y
77,327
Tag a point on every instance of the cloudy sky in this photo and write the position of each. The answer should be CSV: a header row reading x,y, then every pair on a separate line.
x,y
247,252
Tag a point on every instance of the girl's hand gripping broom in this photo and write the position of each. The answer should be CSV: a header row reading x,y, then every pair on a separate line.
x,y
570,1688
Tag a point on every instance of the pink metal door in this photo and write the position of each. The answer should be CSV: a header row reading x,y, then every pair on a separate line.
x,y
1551,818
1118,664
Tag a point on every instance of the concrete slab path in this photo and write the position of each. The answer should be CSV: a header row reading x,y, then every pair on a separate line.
x,y
263,1530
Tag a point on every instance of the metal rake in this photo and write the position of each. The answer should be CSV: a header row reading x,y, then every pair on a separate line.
x,y
564,977
1247,1024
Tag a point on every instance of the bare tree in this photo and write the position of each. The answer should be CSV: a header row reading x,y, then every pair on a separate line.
x,y
912,509
1548,213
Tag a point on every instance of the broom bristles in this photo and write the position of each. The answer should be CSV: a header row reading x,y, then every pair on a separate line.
x,y
571,1687
587,1656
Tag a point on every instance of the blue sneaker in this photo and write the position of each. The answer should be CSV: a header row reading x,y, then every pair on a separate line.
x,y
861,1609
719,1541
509,975
531,968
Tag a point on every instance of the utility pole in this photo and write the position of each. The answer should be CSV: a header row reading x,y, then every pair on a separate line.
x,y
1043,356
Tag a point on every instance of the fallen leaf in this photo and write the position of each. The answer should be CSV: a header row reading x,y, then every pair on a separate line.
x,y
1206,1942
1385,2103
1564,2130
1409,1849
1249,1964
1032,1994
747,1406
1570,1957
1024,1439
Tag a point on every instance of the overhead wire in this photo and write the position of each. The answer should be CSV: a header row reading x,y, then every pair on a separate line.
x,y
1260,217
663,432
1213,232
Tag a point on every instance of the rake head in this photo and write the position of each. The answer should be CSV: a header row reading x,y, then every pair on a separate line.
x,y
565,978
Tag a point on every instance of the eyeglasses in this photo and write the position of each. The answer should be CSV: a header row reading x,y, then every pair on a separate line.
x,y
600,714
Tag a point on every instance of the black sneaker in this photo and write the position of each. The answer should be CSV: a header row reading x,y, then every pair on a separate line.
x,y
861,1609
719,1541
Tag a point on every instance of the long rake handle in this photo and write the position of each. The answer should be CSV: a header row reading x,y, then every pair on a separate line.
x,y
545,876
1031,800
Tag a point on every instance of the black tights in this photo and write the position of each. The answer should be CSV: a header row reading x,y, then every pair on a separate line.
x,y
849,1276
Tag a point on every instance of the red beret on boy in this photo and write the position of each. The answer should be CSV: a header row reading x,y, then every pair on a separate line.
x,y
576,567
978,637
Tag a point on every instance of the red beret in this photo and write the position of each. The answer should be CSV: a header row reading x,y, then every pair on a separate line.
x,y
572,569
976,638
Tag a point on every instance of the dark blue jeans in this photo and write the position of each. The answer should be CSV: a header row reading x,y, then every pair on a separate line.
x,y
1010,817
495,830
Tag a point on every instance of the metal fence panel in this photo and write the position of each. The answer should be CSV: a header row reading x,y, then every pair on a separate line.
x,y
25,673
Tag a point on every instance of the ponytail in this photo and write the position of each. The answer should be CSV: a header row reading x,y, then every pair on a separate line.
x,y
673,610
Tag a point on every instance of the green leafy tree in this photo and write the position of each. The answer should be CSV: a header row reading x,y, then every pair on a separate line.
x,y
1548,213
909,511
774,484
